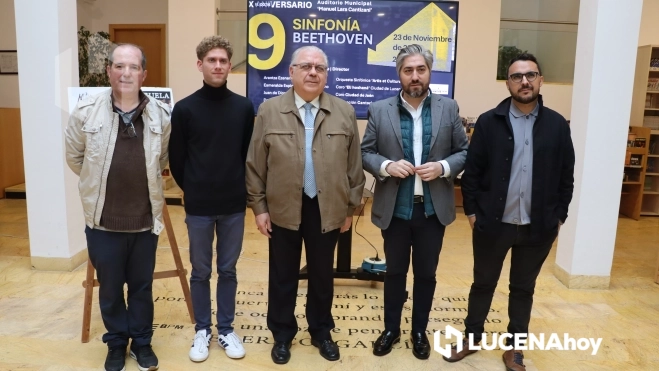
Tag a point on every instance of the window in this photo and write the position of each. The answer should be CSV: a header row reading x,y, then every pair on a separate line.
x,y
232,24
545,28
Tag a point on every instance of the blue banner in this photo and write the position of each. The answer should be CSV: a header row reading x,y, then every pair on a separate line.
x,y
361,40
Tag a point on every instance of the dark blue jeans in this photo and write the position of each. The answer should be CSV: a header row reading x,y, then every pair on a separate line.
x,y
201,230
124,258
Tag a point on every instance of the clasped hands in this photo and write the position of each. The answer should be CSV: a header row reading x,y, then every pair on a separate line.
x,y
403,169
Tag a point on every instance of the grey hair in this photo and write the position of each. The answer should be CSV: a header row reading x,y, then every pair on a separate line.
x,y
413,49
308,48
115,46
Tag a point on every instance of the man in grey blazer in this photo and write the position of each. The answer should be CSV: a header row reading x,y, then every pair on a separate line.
x,y
416,138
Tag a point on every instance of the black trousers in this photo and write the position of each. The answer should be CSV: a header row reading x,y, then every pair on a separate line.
x,y
528,255
423,236
124,258
285,254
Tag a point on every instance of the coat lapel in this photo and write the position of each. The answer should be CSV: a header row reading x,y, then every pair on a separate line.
x,y
394,119
436,109
288,104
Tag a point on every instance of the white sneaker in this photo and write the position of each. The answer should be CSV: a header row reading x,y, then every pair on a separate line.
x,y
232,345
199,349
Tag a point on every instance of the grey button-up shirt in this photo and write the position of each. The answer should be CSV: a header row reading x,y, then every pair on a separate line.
x,y
518,201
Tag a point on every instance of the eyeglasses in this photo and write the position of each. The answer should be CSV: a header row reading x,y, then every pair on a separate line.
x,y
530,76
306,67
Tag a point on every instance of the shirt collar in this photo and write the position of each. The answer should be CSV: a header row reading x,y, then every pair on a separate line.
x,y
402,99
517,113
299,102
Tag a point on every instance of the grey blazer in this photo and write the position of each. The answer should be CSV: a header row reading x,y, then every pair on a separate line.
x,y
383,141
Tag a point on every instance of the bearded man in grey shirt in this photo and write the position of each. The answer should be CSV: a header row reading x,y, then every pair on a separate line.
x,y
516,188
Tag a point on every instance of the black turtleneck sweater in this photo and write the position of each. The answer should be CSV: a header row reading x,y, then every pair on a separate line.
x,y
211,131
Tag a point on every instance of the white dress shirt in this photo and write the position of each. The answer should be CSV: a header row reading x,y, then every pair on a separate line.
x,y
299,103
417,139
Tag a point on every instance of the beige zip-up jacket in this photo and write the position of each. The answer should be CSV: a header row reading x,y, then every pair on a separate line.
x,y
90,138
275,162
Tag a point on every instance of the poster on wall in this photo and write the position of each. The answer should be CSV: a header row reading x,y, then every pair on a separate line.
x,y
361,40
76,94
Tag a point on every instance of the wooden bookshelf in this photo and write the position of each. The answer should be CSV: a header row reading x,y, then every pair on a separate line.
x,y
631,197
650,203
645,113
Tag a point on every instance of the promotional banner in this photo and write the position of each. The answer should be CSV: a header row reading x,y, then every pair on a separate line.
x,y
361,40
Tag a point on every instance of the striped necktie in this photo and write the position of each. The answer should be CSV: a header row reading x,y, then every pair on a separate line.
x,y
309,174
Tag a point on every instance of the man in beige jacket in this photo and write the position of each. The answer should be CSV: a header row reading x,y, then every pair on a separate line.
x,y
116,142
304,181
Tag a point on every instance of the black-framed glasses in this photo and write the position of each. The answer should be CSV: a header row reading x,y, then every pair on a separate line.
x,y
306,67
530,76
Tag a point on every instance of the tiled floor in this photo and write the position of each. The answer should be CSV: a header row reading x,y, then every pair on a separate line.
x,y
41,312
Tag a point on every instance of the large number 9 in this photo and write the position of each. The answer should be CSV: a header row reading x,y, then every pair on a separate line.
x,y
277,41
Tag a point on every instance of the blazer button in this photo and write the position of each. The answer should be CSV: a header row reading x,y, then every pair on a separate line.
x,y
506,158
320,191
503,178
510,138
496,218
500,198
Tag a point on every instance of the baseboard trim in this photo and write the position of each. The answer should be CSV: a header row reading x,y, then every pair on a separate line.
x,y
581,282
59,264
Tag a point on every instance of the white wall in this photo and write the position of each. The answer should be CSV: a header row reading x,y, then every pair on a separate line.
x,y
84,10
189,22
231,4
49,53
519,9
8,83
559,10
476,89
106,12
649,34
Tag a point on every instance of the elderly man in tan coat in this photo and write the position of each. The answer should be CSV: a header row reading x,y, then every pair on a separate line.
x,y
304,181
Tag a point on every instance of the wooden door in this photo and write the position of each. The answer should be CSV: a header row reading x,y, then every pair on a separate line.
x,y
152,39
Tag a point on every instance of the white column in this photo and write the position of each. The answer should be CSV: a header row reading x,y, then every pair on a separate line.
x,y
47,65
603,81
188,22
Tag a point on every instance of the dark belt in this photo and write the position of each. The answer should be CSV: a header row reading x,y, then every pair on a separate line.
x,y
418,199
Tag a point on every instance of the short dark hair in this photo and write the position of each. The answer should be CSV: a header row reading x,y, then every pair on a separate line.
x,y
115,46
526,57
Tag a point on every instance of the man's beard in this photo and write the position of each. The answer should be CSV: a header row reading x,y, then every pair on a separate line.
x,y
420,92
526,100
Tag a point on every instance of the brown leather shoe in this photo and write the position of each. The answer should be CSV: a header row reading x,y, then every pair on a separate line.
x,y
458,356
513,359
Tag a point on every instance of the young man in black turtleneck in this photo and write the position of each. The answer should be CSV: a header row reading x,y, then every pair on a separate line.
x,y
211,131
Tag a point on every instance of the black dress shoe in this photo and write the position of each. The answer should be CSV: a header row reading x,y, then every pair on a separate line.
x,y
280,352
385,342
328,349
420,345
